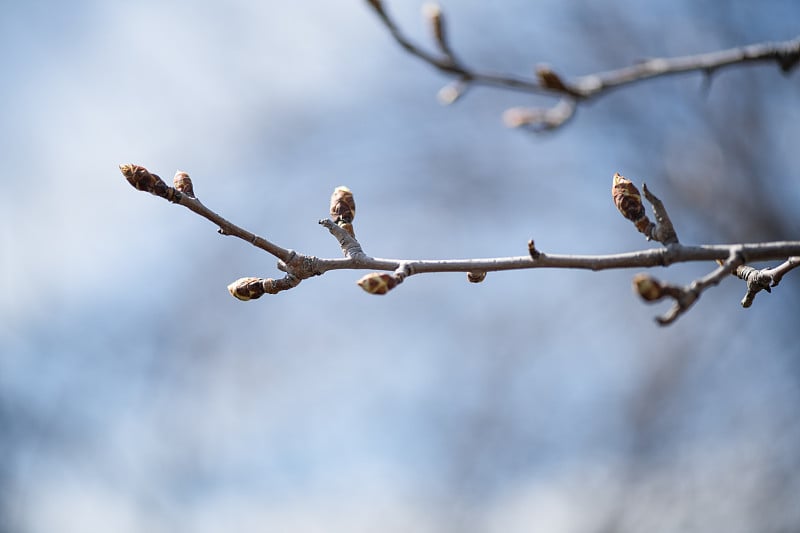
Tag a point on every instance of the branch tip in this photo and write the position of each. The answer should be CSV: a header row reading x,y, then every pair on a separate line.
x,y
144,180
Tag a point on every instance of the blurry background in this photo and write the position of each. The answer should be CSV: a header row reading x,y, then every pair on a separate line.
x,y
137,396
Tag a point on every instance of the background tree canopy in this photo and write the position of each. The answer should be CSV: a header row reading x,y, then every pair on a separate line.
x,y
137,395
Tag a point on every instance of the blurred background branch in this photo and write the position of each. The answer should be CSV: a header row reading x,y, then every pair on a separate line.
x,y
785,54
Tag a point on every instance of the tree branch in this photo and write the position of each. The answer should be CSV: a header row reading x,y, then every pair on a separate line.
x,y
785,54
298,267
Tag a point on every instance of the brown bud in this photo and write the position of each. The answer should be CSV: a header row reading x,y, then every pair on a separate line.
x,y
650,289
550,79
627,198
378,283
343,206
246,289
476,276
183,183
143,180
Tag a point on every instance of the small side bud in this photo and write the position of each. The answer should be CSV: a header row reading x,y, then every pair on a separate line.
x,y
627,198
476,276
143,180
549,79
650,289
534,253
343,208
183,183
378,282
245,289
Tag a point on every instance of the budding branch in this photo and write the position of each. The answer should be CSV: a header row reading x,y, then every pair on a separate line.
x,y
297,266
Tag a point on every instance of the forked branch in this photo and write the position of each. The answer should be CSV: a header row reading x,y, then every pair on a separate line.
x,y
570,92
392,272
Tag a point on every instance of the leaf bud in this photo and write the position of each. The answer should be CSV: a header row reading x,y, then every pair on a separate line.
x,y
378,282
183,183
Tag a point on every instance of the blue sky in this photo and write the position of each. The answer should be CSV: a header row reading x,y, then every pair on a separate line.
x,y
137,395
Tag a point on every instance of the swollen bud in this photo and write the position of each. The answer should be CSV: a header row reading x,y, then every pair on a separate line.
x,y
650,289
627,198
343,208
378,282
183,183
143,180
246,289
550,79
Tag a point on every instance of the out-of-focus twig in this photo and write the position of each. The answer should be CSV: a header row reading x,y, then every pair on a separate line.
x,y
785,54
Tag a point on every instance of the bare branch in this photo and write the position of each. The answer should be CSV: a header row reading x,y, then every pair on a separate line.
x,y
299,266
785,54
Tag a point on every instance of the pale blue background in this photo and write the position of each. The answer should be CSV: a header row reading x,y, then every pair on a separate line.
x,y
137,396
